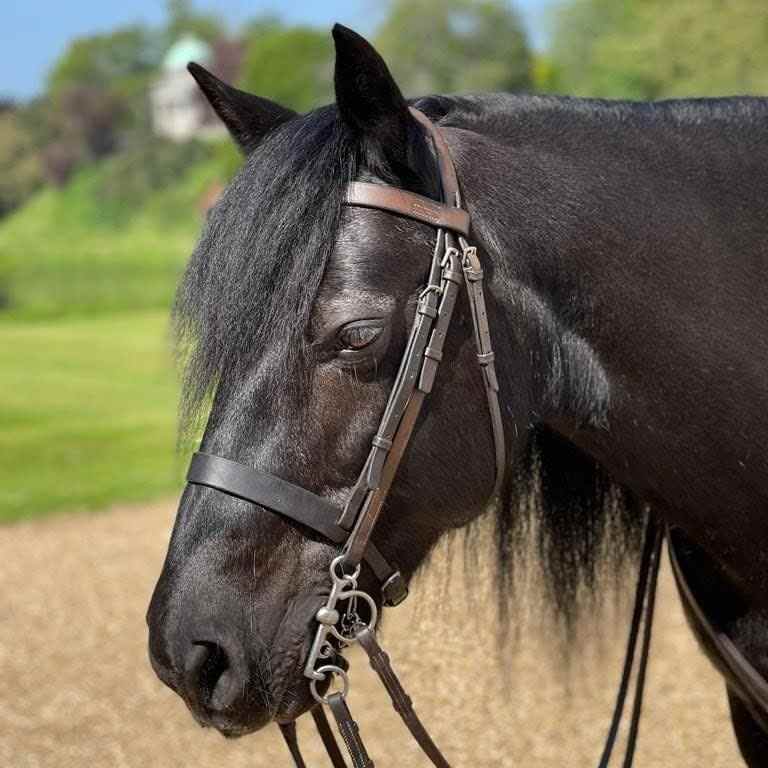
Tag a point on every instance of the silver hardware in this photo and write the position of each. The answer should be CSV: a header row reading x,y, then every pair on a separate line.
x,y
436,289
343,588
449,254
325,670
473,269
327,616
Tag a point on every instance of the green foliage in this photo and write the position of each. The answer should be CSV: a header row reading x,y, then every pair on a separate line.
x,y
649,49
544,73
75,251
290,65
88,412
97,92
228,159
122,60
183,19
20,168
453,46
129,179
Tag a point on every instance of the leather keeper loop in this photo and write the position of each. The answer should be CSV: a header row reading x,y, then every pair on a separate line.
x,y
425,308
473,275
486,358
381,442
433,354
394,590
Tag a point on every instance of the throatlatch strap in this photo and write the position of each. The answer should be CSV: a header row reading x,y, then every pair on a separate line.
x,y
473,277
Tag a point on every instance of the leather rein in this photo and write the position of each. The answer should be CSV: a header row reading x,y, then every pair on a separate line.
x,y
339,621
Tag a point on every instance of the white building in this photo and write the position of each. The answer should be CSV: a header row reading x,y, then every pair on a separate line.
x,y
179,112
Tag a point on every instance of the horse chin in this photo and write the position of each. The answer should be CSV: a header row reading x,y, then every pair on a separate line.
x,y
296,702
289,687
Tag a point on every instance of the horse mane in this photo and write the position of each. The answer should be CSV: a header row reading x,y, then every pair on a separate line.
x,y
560,511
250,285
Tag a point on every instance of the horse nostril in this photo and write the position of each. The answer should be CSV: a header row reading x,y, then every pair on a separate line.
x,y
208,676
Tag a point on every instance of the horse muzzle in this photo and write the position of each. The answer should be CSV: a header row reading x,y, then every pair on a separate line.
x,y
225,666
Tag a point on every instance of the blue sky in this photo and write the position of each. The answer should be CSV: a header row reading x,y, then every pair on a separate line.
x,y
33,37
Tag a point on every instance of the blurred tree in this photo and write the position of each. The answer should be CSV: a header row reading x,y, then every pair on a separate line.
x,y
91,116
34,116
291,65
129,178
120,61
544,73
85,123
450,46
61,159
20,168
183,19
97,92
650,49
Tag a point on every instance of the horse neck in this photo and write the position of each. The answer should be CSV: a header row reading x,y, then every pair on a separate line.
x,y
612,276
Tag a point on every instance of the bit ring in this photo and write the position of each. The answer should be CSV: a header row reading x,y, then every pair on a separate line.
x,y
370,625
337,571
329,669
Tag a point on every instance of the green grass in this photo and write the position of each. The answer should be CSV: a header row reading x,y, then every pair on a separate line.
x,y
87,273
87,413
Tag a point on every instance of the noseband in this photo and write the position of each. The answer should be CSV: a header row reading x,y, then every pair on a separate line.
x,y
454,262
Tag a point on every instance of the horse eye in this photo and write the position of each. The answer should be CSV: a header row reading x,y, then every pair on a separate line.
x,y
356,337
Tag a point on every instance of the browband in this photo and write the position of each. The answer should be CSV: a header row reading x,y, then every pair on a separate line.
x,y
418,207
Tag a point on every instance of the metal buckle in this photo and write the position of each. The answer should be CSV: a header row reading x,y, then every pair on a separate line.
x,y
473,270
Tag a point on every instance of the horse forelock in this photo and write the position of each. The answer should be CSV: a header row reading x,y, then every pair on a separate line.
x,y
252,278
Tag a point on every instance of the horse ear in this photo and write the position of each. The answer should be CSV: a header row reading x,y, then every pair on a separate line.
x,y
368,98
247,117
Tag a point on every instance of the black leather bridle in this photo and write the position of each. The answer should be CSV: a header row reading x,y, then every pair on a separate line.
x,y
450,267
454,262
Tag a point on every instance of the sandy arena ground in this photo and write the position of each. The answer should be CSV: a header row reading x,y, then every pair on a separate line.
x,y
77,689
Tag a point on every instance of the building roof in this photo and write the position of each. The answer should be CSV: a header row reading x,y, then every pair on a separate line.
x,y
184,50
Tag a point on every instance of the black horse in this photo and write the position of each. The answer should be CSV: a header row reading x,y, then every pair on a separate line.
x,y
627,270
